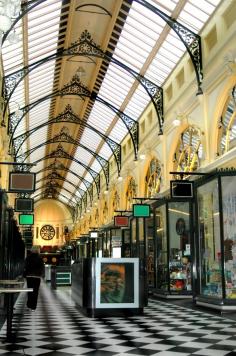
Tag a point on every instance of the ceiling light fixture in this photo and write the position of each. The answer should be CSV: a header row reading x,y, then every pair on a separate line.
x,y
9,10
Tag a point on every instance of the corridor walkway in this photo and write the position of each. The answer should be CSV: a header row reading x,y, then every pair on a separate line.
x,y
57,328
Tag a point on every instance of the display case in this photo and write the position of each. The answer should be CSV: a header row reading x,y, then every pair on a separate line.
x,y
216,263
104,287
173,248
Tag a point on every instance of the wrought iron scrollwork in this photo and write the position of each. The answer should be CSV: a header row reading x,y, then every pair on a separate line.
x,y
70,117
191,40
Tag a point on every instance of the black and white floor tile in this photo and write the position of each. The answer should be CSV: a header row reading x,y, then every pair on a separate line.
x,y
57,328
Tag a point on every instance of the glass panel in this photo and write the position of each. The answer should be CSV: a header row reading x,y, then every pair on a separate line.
x,y
141,237
150,251
133,238
209,234
180,247
126,243
161,246
229,219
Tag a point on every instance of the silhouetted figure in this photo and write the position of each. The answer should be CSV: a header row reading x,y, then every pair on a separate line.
x,y
33,271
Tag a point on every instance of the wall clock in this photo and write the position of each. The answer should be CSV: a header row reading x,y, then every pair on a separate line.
x,y
47,232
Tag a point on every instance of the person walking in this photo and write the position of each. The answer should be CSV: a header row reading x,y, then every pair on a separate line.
x,y
33,271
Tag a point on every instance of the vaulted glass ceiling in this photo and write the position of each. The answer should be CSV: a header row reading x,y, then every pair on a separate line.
x,y
134,35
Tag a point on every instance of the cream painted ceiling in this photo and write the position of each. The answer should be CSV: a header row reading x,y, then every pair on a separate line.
x,y
68,156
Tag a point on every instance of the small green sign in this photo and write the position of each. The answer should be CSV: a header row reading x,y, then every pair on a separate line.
x,y
141,210
26,219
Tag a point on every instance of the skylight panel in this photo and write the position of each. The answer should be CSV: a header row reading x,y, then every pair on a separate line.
x,y
88,177
38,137
141,11
90,138
112,95
41,50
124,57
66,185
63,199
134,42
96,166
166,4
35,33
51,6
190,21
78,169
131,32
83,156
105,151
37,154
132,53
196,12
142,27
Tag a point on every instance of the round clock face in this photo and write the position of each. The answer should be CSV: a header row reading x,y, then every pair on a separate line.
x,y
47,232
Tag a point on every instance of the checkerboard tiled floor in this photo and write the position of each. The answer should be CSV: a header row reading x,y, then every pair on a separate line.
x,y
57,328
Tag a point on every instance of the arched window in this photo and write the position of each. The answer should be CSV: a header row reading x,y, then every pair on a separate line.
x,y
189,151
153,178
227,125
130,193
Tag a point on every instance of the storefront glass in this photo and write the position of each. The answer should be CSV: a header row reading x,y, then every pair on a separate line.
x,y
229,225
141,237
209,234
179,247
161,249
133,238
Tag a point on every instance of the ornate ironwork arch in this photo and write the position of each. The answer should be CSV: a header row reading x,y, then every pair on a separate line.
x,y
56,165
70,117
51,190
191,40
64,137
105,11
56,176
75,87
60,153
86,46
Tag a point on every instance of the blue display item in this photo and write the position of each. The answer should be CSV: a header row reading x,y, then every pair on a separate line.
x,y
117,283
26,219
141,210
181,189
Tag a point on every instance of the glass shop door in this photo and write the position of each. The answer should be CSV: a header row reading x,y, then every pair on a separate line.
x,y
180,248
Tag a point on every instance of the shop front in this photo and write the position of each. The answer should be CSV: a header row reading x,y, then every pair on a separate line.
x,y
216,251
173,248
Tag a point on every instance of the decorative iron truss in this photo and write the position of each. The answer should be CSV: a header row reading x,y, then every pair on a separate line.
x,y
68,116
60,153
22,167
191,40
53,176
75,87
52,187
57,165
86,46
66,138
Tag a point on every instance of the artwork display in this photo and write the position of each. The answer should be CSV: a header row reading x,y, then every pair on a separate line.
x,y
117,283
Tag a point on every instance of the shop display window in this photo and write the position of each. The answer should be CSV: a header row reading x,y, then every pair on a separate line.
x,y
229,226
141,237
150,252
161,249
126,244
179,247
210,245
133,237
